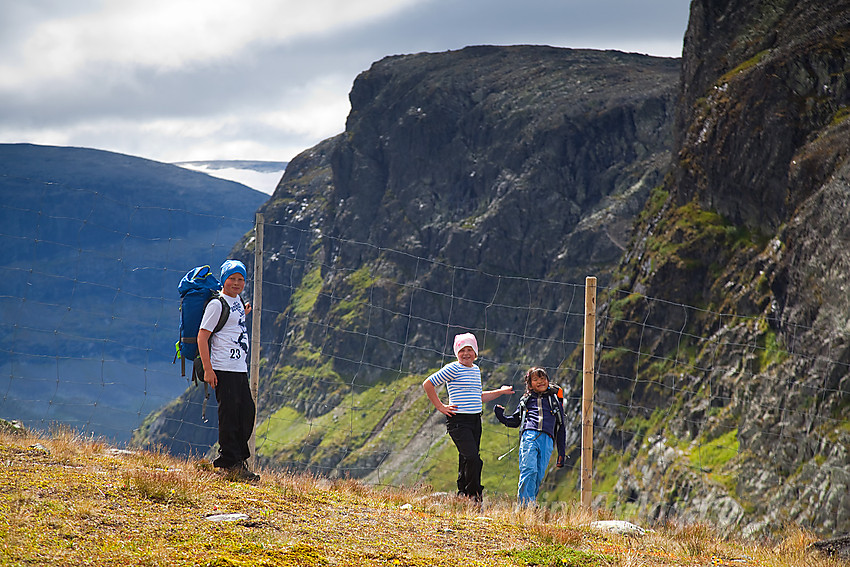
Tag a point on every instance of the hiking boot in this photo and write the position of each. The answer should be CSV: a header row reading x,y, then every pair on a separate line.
x,y
220,463
247,474
241,472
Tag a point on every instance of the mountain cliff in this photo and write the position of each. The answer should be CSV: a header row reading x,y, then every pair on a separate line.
x,y
754,225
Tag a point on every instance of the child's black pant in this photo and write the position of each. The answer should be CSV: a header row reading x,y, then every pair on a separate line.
x,y
465,431
236,411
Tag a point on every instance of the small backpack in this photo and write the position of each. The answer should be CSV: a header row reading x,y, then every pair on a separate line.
x,y
556,399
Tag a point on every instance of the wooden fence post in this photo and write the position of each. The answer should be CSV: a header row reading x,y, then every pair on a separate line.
x,y
256,311
587,392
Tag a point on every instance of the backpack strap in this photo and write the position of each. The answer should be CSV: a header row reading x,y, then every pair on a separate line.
x,y
523,405
225,313
556,400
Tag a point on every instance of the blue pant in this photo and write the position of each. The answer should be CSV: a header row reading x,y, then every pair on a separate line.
x,y
535,449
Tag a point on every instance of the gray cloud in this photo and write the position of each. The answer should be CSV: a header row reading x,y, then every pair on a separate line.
x,y
275,98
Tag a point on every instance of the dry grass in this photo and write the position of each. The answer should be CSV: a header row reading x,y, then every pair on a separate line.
x,y
65,500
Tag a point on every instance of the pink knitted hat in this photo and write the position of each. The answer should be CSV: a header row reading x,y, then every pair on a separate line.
x,y
465,339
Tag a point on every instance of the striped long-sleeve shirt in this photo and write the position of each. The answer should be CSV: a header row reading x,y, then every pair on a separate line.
x,y
463,384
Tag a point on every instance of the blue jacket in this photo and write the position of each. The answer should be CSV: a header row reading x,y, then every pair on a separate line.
x,y
535,412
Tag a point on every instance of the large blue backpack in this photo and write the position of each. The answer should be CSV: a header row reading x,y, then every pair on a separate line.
x,y
197,288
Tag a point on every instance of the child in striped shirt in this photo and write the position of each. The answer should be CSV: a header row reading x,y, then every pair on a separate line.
x,y
463,412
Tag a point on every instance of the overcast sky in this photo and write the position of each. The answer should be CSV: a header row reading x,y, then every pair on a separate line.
x,y
178,80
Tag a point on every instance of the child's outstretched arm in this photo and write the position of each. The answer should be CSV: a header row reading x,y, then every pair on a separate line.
x,y
509,420
493,394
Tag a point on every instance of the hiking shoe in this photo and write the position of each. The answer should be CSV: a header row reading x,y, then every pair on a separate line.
x,y
220,463
240,471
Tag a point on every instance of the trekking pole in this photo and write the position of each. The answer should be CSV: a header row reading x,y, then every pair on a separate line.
x,y
508,453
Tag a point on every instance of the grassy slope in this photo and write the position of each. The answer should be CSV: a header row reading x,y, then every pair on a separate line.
x,y
65,500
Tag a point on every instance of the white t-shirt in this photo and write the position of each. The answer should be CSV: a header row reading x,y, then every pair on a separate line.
x,y
229,346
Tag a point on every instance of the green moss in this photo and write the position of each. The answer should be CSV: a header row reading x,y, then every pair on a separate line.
x,y
645,427
657,199
745,66
559,556
695,239
354,291
840,116
616,358
361,280
619,307
304,297
686,235
771,351
712,456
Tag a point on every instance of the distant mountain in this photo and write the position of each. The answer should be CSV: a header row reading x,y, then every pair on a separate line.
x,y
260,175
92,246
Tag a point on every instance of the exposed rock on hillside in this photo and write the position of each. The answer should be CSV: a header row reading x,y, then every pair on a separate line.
x,y
504,159
756,227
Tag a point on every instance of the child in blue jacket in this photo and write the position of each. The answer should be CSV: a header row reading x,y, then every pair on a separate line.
x,y
540,413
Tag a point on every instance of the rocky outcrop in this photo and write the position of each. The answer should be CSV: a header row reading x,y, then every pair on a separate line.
x,y
755,220
526,161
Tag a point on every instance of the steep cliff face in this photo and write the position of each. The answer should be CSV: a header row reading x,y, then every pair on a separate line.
x,y
520,161
761,81
488,158
754,218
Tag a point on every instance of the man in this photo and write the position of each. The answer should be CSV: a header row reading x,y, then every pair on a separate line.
x,y
224,356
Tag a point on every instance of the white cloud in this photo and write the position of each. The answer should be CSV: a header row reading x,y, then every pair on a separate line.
x,y
170,34
318,109
179,80
261,181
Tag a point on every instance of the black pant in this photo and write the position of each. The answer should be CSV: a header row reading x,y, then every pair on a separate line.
x,y
465,431
236,411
